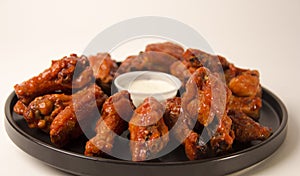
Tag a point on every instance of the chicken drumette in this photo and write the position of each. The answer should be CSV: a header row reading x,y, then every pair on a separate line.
x,y
85,107
246,90
246,129
116,112
42,110
148,132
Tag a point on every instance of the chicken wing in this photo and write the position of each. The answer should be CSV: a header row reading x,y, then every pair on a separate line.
x,y
148,132
68,123
116,112
246,89
168,48
104,69
195,147
193,59
150,60
206,99
246,84
246,129
222,139
61,76
249,105
42,110
206,96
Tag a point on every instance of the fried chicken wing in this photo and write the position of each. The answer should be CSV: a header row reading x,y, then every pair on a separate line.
x,y
61,76
232,71
194,59
206,100
166,47
206,96
210,141
42,110
85,106
195,148
148,132
249,105
116,112
104,68
246,84
223,137
150,60
246,89
246,129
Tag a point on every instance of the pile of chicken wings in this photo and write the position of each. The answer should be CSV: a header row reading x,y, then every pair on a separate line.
x,y
218,104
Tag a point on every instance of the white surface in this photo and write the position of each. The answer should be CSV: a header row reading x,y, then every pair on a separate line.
x,y
255,34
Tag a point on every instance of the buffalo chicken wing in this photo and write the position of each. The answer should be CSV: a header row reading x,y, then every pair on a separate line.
x,y
148,132
84,107
61,76
116,112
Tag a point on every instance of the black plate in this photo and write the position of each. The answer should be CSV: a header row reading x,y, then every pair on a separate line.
x,y
71,159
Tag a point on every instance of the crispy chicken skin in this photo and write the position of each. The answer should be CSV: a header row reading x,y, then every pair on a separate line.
x,y
246,129
85,106
42,110
168,48
148,132
116,112
61,76
104,68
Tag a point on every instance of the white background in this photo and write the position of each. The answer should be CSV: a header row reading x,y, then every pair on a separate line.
x,y
258,34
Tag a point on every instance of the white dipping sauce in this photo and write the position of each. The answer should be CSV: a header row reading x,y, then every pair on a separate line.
x,y
151,86
143,84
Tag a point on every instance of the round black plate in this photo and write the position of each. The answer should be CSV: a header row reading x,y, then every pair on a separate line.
x,y
72,160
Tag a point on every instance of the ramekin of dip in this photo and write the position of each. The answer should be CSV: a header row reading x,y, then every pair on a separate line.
x,y
143,84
